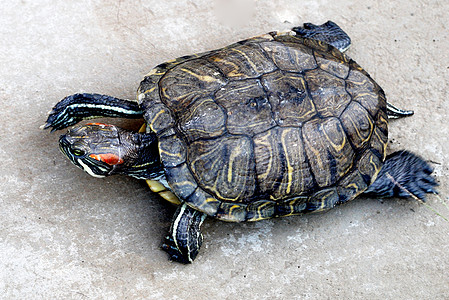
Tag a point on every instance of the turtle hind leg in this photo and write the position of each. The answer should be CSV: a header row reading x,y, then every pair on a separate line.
x,y
328,32
77,107
404,175
185,238
394,113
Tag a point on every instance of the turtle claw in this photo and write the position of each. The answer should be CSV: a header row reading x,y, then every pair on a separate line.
x,y
175,254
60,119
46,126
65,113
404,175
419,180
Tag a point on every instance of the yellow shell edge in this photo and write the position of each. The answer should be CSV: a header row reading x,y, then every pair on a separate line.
x,y
157,187
170,197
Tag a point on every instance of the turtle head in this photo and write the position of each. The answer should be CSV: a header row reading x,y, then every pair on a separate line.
x,y
102,150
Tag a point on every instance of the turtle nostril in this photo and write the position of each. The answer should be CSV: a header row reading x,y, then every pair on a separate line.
x,y
63,140
64,145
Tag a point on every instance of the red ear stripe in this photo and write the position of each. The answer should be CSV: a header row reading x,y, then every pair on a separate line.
x,y
109,158
99,124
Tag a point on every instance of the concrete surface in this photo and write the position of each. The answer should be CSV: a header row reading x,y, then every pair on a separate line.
x,y
66,235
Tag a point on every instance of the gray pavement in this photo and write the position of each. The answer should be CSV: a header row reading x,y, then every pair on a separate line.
x,y
66,235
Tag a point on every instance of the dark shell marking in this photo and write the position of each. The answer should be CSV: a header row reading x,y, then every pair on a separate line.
x,y
271,126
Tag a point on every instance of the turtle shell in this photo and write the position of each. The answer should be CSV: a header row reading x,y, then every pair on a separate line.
x,y
271,126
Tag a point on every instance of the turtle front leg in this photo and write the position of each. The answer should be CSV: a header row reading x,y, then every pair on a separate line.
x,y
77,107
328,32
185,238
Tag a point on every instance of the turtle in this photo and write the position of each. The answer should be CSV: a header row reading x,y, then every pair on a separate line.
x,y
276,125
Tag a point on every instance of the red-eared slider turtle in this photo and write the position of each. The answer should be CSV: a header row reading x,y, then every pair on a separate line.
x,y
277,125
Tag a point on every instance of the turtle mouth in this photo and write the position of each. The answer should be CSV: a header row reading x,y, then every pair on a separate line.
x,y
82,160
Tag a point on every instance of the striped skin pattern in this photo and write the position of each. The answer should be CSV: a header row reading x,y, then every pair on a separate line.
x,y
272,126
77,107
184,239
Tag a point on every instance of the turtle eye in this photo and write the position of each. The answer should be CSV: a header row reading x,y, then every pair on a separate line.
x,y
78,152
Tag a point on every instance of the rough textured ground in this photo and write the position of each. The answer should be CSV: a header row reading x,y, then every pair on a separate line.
x,y
64,234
